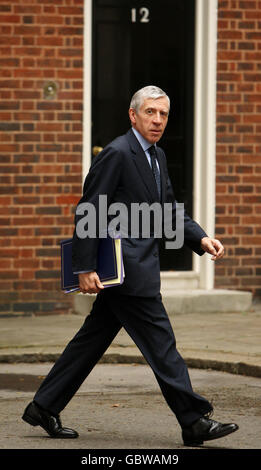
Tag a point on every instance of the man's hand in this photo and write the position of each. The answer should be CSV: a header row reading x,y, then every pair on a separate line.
x,y
90,283
212,246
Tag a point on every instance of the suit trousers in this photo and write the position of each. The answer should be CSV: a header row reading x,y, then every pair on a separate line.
x,y
146,321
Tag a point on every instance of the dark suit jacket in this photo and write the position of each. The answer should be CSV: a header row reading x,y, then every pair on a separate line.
x,y
122,172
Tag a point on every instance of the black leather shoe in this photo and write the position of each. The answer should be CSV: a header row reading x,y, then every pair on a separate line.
x,y
36,416
206,429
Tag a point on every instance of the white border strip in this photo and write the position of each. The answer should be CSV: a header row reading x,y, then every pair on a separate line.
x,y
205,131
87,88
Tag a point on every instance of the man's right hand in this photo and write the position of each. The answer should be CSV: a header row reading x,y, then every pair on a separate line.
x,y
90,283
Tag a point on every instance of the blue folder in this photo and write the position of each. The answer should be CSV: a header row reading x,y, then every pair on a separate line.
x,y
109,264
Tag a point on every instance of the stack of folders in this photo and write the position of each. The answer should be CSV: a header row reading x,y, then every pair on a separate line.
x,y
109,264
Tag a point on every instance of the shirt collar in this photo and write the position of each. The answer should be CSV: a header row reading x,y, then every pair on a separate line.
x,y
143,142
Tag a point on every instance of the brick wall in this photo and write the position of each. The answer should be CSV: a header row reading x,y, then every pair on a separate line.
x,y
238,199
40,148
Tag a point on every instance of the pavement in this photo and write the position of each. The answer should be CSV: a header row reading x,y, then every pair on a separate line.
x,y
227,342
120,406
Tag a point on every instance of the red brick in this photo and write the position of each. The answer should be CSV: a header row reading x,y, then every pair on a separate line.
x,y
27,263
230,35
234,14
74,10
229,55
24,51
251,220
47,43
50,19
253,14
247,4
5,19
229,77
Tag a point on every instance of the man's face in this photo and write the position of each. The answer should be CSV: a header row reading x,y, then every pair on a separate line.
x,y
151,119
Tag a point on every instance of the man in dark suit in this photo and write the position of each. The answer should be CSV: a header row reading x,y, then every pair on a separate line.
x,y
131,169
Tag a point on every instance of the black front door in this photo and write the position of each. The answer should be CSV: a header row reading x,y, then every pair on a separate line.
x,y
139,43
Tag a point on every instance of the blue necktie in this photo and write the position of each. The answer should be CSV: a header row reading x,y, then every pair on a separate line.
x,y
154,167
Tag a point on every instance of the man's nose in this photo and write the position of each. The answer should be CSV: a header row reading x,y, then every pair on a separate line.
x,y
157,118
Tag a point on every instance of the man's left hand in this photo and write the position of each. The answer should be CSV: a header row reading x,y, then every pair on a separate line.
x,y
212,246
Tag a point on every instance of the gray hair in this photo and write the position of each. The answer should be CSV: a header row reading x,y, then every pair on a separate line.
x,y
150,91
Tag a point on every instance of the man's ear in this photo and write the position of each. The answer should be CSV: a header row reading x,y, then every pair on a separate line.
x,y
132,115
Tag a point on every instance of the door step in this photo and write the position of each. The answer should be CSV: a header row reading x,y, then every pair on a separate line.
x,y
199,300
187,301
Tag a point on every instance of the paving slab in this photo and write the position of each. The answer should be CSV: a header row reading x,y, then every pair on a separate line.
x,y
223,341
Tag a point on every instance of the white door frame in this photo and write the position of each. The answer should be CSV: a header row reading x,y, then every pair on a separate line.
x,y
204,128
204,198
87,88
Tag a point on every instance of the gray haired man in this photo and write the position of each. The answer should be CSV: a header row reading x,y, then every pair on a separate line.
x,y
131,169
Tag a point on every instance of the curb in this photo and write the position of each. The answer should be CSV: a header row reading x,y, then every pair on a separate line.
x,y
237,368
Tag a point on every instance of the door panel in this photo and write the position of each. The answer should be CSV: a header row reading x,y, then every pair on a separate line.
x,y
137,44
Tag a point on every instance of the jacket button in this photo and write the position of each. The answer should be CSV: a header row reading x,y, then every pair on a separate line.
x,y
155,254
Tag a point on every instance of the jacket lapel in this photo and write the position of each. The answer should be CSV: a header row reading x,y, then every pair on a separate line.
x,y
143,165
